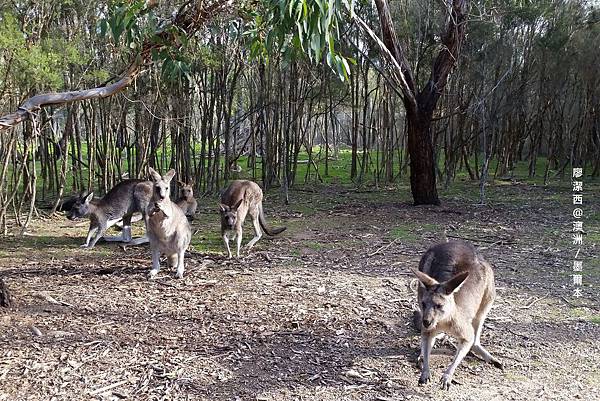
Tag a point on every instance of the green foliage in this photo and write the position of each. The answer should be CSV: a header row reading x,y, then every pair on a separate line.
x,y
276,27
130,24
287,27
34,64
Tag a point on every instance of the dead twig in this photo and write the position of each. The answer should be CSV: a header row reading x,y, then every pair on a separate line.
x,y
106,388
529,305
383,248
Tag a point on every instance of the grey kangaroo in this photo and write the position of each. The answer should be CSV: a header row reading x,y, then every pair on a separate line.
x,y
168,229
121,202
240,198
455,295
186,201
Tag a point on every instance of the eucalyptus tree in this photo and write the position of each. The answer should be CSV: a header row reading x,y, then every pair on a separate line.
x,y
287,27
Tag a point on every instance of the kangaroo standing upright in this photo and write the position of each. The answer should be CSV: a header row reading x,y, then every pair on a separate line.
x,y
240,198
121,202
168,229
455,295
186,201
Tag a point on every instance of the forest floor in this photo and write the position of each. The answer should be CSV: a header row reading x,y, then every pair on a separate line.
x,y
321,312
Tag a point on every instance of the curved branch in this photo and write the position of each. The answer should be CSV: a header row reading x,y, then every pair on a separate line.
x,y
452,40
391,42
35,103
397,73
190,18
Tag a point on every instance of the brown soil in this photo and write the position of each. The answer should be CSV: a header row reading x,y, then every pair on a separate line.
x,y
321,312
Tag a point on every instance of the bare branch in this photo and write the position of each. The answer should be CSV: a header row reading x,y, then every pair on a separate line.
x,y
397,73
189,19
452,40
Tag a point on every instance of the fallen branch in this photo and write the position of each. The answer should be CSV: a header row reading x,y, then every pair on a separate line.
x,y
106,388
383,248
533,302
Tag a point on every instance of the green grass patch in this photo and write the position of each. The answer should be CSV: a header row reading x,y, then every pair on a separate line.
x,y
404,233
317,246
412,232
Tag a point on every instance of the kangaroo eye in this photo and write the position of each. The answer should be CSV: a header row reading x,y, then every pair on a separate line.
x,y
438,306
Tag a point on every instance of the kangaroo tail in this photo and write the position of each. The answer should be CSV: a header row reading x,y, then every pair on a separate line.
x,y
263,223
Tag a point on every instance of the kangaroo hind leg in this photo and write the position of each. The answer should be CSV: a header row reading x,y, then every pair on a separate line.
x,y
257,231
478,327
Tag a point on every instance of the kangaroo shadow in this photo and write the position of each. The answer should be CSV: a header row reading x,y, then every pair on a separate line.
x,y
74,270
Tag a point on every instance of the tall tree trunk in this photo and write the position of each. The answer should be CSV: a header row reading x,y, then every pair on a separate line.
x,y
420,105
422,168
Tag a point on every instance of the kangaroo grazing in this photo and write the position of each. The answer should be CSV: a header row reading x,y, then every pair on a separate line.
x,y
455,295
240,198
168,229
121,202
186,201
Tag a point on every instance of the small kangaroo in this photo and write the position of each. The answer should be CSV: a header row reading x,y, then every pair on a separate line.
x,y
121,202
168,229
234,167
455,295
186,201
240,198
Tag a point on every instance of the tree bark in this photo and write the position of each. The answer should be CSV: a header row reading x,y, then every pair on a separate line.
x,y
421,105
5,298
422,168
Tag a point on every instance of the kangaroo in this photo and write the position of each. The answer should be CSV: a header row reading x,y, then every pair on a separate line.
x,y
121,202
186,201
168,229
234,167
240,198
455,295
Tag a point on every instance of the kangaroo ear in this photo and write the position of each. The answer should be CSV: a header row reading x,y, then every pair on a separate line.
x,y
234,207
154,175
180,183
454,283
169,176
223,208
425,279
89,198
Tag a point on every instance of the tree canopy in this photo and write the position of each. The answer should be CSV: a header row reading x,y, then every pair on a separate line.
x,y
426,89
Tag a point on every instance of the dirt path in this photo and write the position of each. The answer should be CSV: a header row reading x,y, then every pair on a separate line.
x,y
322,312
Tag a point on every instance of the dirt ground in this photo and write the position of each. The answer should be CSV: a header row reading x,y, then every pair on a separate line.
x,y
321,312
